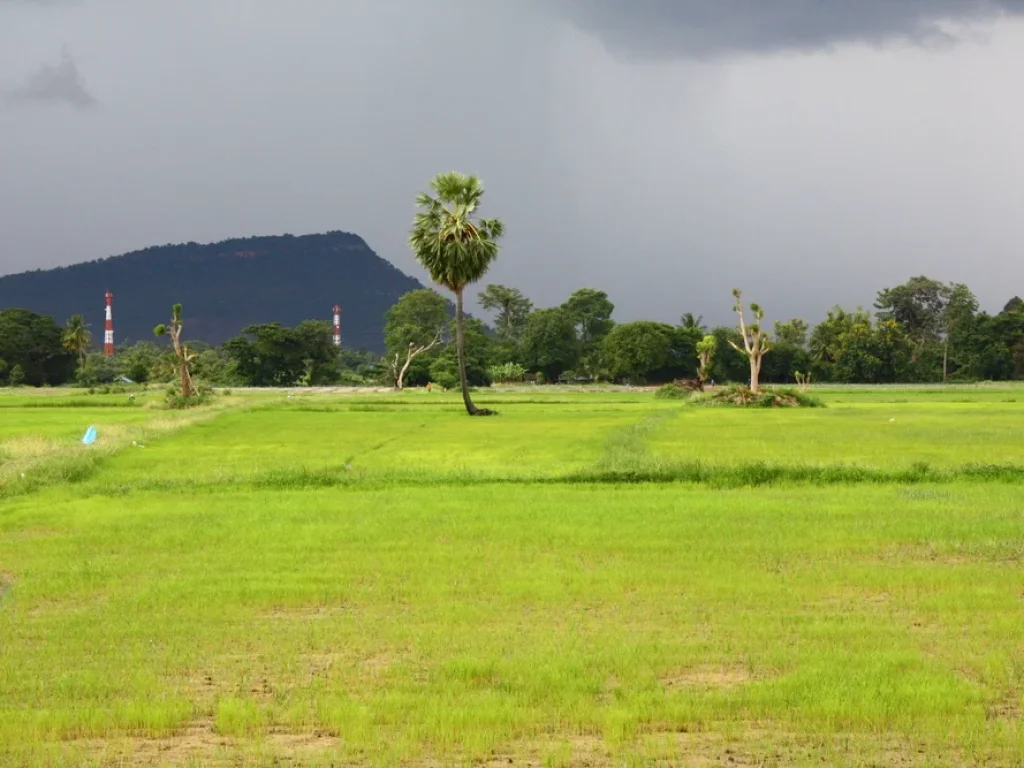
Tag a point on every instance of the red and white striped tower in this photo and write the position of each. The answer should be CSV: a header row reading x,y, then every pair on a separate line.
x,y
108,328
337,325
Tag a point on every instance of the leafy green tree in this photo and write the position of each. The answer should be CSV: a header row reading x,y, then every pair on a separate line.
x,y
17,377
1016,304
960,326
98,369
353,367
894,351
825,344
271,355
592,363
1004,348
479,358
783,364
729,364
918,306
792,333
591,313
416,324
511,309
76,338
856,360
754,340
137,361
633,350
267,355
681,360
455,249
550,344
316,339
35,344
215,367
879,354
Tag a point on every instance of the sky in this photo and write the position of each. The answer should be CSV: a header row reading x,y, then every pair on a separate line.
x,y
809,152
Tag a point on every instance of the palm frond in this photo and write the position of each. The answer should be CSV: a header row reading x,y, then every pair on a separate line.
x,y
448,243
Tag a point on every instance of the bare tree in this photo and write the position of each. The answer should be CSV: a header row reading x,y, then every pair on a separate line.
x,y
755,341
184,355
410,354
415,324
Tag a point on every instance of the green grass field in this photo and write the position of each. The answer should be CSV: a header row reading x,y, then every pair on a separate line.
x,y
590,578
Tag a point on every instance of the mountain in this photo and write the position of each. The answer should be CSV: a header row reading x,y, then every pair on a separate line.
x,y
223,287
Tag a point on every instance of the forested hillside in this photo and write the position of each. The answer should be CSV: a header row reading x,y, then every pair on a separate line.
x,y
224,287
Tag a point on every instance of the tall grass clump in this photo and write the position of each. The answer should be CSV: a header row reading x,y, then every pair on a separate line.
x,y
671,391
176,401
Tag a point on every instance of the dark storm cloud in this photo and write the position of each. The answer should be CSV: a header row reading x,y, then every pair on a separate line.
x,y
59,83
805,180
707,28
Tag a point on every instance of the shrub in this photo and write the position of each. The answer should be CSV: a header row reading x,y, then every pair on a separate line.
x,y
671,391
17,376
176,401
446,380
508,373
97,370
539,378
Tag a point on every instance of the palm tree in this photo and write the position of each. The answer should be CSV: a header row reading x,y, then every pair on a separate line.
x,y
455,249
689,320
76,338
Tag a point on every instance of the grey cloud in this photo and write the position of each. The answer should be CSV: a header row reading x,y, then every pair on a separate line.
x,y
804,180
38,3
59,83
710,28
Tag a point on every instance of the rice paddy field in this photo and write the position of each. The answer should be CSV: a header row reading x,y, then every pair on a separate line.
x,y
591,578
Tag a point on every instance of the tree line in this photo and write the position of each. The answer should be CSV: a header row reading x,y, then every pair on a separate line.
x,y
921,331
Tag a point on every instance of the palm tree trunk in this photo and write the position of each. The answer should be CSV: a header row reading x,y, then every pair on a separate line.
x,y
460,349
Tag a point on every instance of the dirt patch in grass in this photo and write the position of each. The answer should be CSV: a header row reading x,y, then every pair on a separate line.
x,y
751,745
308,613
707,677
1008,708
200,744
704,749
982,553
